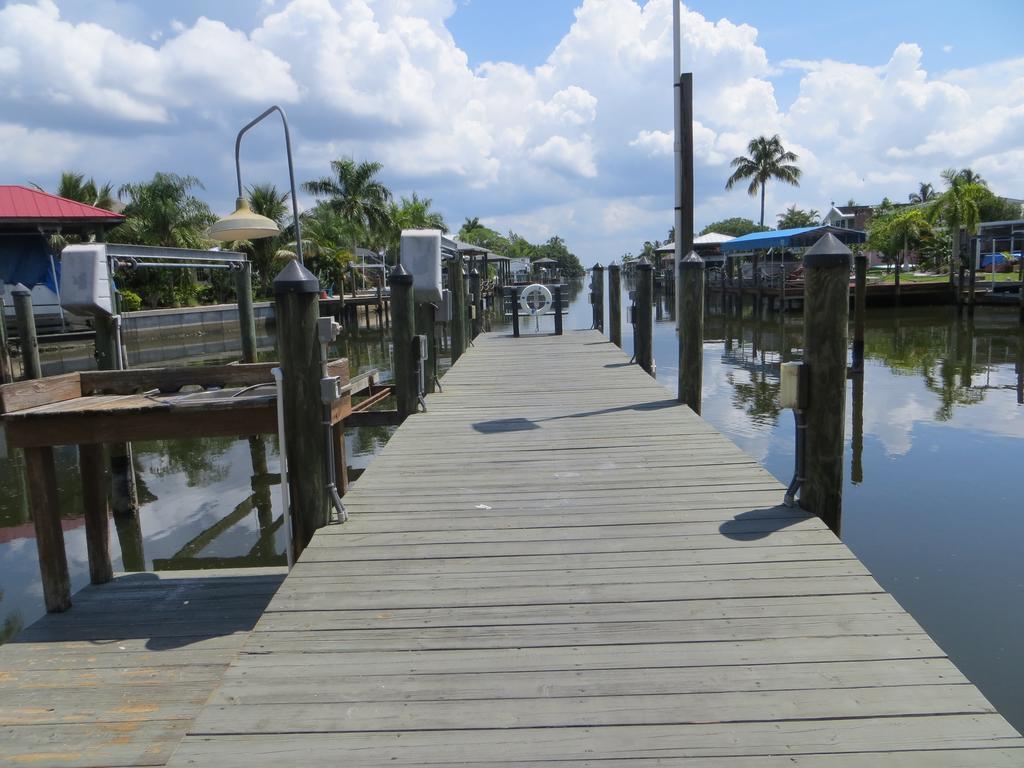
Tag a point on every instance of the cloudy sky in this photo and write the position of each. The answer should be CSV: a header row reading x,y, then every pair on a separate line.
x,y
543,116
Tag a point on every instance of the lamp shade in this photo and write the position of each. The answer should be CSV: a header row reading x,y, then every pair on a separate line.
x,y
243,224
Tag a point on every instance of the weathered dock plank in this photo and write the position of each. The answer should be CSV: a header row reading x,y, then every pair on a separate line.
x,y
558,565
117,680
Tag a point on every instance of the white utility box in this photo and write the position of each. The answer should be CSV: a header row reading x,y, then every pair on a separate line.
x,y
421,256
790,395
85,287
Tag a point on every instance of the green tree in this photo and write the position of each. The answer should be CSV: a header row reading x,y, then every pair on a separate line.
x,y
357,196
74,186
958,209
326,242
963,175
485,237
163,211
555,248
267,200
767,160
797,217
925,193
735,226
897,233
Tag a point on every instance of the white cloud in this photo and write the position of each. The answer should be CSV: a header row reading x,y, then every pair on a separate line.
x,y
579,145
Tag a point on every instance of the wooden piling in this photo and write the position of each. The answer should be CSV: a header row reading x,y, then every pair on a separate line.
x,y
31,367
426,325
597,296
53,562
403,334
296,298
557,305
691,330
642,326
615,304
973,279
6,372
93,470
510,294
860,295
457,326
685,235
246,316
477,304
826,312
857,439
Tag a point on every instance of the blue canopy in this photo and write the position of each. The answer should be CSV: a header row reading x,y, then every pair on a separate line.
x,y
988,259
801,237
26,259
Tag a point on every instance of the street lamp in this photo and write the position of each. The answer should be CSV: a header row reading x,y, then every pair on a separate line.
x,y
243,224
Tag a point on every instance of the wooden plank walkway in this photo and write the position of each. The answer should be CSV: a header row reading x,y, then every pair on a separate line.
x,y
118,679
557,565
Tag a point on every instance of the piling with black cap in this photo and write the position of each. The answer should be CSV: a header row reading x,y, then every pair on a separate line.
x,y
26,320
296,300
403,333
615,304
643,328
597,296
477,313
557,306
691,330
826,313
457,285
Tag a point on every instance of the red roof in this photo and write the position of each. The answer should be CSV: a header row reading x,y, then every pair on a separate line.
x,y
26,204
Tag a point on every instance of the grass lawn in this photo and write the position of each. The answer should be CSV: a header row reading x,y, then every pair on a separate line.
x,y
878,276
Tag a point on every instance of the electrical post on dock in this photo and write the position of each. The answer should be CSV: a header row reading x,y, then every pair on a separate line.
x,y
420,255
615,304
597,296
642,324
691,330
826,313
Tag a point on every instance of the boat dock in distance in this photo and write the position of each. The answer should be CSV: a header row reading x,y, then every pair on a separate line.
x,y
556,565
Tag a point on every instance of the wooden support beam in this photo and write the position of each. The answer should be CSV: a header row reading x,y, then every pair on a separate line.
x,y
53,561
92,466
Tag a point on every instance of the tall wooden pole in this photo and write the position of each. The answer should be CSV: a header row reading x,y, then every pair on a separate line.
x,y
6,373
246,315
296,298
826,311
597,296
684,235
615,304
691,330
477,314
53,561
93,470
642,327
458,324
860,295
426,325
27,339
403,309
557,306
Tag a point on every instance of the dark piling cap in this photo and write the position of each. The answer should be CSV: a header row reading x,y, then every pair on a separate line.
x,y
474,273
295,278
829,251
20,290
597,265
692,261
399,276
644,263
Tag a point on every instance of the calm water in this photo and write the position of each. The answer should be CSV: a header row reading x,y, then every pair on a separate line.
x,y
933,472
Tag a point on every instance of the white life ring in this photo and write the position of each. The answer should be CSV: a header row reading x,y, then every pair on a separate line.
x,y
535,299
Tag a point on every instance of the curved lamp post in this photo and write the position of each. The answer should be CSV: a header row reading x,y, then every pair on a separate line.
x,y
243,224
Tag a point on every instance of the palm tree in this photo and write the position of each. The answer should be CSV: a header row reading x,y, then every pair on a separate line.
x,y
355,194
74,186
267,200
957,207
965,175
925,193
470,224
797,217
768,160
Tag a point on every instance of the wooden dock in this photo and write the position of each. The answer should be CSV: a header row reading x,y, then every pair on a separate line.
x,y
119,679
558,565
